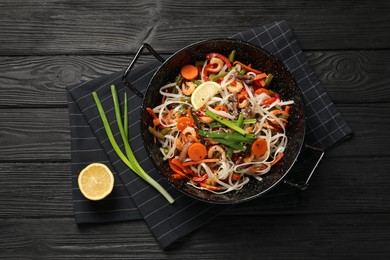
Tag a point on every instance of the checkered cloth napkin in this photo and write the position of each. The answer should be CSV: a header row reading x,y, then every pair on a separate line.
x,y
132,198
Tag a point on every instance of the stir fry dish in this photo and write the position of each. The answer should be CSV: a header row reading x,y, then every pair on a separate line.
x,y
220,124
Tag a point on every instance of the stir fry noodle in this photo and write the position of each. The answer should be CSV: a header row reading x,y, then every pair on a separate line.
x,y
220,124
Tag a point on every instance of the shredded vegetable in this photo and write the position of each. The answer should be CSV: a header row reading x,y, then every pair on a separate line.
x,y
239,133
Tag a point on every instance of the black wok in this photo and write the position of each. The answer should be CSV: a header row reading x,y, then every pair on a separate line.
x,y
283,83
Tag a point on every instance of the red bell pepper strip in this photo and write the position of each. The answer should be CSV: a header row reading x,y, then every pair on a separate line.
x,y
269,101
201,178
220,56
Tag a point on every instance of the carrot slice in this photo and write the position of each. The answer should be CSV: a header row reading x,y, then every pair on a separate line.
x,y
197,151
183,122
259,147
200,161
189,72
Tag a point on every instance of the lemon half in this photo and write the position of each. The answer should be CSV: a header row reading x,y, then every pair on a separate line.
x,y
203,93
96,181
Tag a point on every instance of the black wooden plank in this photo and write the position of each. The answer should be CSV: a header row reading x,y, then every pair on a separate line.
x,y
351,236
69,27
40,80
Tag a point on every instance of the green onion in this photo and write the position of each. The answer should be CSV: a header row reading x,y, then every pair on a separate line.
x,y
225,122
130,161
268,80
126,117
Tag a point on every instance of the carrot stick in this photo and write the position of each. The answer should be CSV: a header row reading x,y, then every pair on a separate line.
x,y
177,176
177,163
151,112
189,72
200,161
197,151
259,147
260,76
277,159
287,109
209,187
247,68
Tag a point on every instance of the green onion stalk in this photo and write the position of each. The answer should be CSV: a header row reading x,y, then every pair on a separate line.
x,y
128,159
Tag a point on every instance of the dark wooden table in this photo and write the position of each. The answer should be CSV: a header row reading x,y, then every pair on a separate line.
x,y
47,45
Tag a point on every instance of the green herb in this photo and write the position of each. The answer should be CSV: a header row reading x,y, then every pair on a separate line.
x,y
130,160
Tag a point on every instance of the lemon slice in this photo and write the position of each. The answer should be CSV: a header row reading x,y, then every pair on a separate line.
x,y
96,181
203,93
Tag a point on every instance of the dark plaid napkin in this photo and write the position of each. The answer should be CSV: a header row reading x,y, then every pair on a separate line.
x,y
132,198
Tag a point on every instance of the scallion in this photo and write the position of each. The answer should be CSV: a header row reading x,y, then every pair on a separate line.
x,y
130,160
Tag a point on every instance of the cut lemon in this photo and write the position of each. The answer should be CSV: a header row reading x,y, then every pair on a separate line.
x,y
96,181
203,93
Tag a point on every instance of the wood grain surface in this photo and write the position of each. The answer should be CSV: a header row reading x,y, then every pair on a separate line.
x,y
48,45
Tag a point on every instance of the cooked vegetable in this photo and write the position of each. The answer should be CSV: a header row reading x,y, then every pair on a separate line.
x,y
259,147
189,72
197,151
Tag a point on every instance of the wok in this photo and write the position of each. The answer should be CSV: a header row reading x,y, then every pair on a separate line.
x,y
283,83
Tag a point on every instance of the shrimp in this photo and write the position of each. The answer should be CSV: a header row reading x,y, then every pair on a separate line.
x,y
188,87
217,148
219,63
189,133
235,89
205,119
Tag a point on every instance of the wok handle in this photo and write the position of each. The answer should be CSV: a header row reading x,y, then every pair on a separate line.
x,y
136,56
314,151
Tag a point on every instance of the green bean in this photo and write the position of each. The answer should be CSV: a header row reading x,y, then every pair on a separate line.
x,y
239,138
131,162
225,122
195,118
233,137
179,79
245,122
268,80
231,144
185,99
156,133
232,55
165,130
214,77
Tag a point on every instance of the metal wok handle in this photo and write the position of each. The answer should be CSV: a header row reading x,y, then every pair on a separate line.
x,y
303,163
127,71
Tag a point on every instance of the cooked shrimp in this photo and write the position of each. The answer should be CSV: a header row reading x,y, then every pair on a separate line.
x,y
188,87
205,119
217,61
217,148
235,89
189,133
